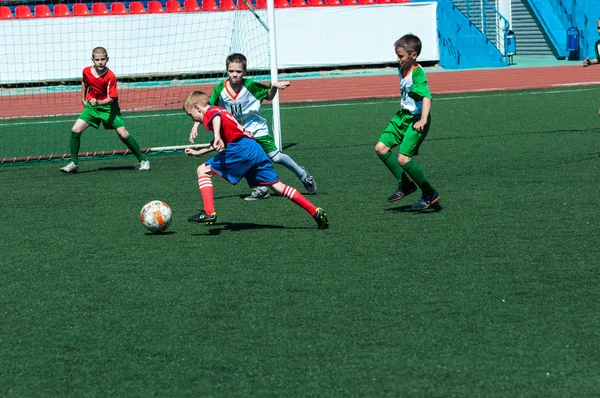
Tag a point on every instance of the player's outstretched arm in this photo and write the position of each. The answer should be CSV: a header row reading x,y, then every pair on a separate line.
x,y
282,85
199,152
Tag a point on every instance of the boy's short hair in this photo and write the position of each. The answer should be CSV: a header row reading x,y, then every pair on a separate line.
x,y
410,43
195,97
99,50
235,58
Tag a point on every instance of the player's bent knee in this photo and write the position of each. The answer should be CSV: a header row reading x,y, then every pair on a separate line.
x,y
122,132
277,187
277,158
204,169
403,159
79,126
381,148
273,155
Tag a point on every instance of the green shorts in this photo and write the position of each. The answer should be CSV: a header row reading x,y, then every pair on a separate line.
x,y
400,131
109,115
267,143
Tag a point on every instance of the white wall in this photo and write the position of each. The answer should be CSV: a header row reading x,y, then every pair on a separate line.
x,y
504,7
51,49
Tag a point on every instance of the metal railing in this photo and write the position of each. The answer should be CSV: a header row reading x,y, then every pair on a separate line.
x,y
487,19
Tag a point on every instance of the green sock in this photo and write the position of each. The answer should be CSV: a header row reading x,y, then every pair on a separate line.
x,y
74,144
414,171
391,162
134,147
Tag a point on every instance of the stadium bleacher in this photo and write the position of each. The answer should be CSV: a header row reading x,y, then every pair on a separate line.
x,y
85,9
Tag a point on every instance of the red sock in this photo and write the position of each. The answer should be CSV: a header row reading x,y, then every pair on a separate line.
x,y
299,199
206,190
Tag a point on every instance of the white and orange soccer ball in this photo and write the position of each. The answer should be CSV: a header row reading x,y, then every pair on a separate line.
x,y
156,216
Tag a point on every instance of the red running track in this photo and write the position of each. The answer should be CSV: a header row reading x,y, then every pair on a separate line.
x,y
326,89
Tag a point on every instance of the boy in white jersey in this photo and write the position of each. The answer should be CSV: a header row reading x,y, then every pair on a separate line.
x,y
242,97
596,61
409,127
587,61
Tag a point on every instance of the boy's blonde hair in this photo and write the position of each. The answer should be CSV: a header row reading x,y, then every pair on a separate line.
x,y
100,50
410,43
236,58
195,97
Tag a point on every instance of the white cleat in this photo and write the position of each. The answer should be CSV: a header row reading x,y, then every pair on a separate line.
x,y
258,193
144,165
70,168
309,183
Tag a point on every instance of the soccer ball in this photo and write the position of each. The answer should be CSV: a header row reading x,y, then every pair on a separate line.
x,y
156,216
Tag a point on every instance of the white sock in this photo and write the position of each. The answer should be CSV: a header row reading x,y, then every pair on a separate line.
x,y
285,160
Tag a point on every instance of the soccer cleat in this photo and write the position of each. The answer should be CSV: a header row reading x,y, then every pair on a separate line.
x,y
321,219
203,218
309,183
70,168
426,201
258,193
401,192
144,165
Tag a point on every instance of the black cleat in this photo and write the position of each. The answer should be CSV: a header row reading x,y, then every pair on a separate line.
x,y
401,192
321,219
203,218
426,201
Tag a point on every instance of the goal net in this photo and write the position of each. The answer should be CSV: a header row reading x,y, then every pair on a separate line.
x,y
158,59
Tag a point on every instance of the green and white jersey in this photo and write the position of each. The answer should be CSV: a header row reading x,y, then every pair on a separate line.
x,y
245,105
413,88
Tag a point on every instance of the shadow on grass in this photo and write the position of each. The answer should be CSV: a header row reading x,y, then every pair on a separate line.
x,y
237,227
108,168
162,233
407,209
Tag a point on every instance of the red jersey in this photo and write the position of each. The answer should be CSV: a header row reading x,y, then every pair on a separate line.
x,y
231,130
100,87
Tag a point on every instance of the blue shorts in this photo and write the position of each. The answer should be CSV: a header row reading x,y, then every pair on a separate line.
x,y
244,158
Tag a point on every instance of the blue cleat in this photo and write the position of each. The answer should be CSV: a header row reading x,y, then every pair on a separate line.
x,y
426,201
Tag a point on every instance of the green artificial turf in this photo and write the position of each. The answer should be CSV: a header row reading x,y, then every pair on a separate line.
x,y
495,293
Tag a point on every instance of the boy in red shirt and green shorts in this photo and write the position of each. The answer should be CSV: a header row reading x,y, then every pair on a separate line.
x,y
100,99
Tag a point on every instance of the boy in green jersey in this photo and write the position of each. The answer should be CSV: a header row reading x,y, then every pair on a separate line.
x,y
589,62
242,97
408,127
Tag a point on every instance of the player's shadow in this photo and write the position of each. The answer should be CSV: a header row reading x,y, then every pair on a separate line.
x,y
108,168
407,209
271,195
237,227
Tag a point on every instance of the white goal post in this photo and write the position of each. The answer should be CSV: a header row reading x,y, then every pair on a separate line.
x,y
157,58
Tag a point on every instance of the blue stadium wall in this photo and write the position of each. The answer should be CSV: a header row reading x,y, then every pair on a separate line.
x,y
556,20
589,31
463,46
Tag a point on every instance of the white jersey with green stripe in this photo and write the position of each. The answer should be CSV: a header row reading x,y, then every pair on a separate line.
x,y
245,105
413,88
